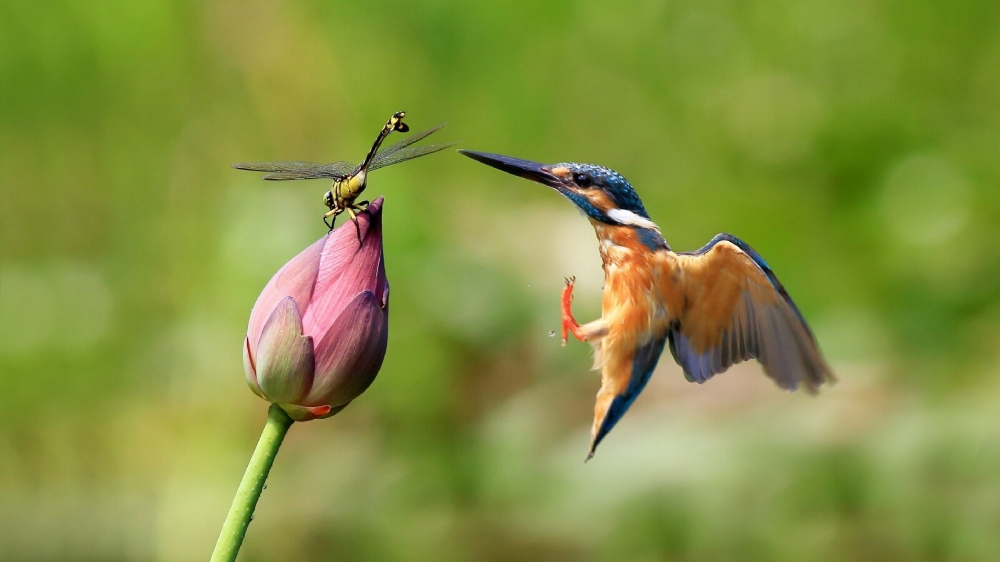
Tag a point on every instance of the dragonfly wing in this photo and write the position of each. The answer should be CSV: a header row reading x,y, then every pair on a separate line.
x,y
416,137
277,166
298,170
383,159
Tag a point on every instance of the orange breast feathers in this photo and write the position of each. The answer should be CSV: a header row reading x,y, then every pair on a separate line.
x,y
632,305
635,316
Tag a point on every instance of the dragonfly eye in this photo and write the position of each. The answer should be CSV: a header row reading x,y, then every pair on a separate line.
x,y
328,199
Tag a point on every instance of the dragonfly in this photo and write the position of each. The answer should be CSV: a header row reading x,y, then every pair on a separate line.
x,y
349,179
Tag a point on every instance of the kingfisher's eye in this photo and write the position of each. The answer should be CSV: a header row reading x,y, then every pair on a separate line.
x,y
581,179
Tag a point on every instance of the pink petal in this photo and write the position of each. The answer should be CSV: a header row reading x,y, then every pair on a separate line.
x,y
304,413
284,357
295,279
343,243
347,269
350,354
248,368
331,411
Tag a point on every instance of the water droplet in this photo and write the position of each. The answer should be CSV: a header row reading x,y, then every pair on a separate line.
x,y
552,333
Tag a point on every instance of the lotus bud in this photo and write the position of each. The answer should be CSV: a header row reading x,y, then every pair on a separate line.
x,y
318,331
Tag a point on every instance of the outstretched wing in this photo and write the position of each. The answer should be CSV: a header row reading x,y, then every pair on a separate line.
x,y
736,309
415,137
402,151
298,170
408,154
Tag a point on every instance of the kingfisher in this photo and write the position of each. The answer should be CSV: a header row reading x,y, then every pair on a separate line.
x,y
714,307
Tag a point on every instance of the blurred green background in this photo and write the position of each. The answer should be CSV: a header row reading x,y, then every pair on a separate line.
x,y
855,144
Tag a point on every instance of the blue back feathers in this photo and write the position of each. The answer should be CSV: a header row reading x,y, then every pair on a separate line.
x,y
652,239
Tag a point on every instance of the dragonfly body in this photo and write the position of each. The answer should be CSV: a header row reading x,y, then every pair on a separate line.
x,y
712,308
350,180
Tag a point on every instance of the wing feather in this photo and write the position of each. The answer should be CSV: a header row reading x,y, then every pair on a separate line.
x,y
738,310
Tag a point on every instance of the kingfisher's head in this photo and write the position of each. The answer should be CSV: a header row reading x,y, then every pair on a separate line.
x,y
600,193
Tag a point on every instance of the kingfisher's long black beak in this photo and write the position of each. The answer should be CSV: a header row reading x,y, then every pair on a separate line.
x,y
522,168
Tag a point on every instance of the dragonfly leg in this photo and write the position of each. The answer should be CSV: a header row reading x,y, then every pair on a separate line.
x,y
330,218
354,217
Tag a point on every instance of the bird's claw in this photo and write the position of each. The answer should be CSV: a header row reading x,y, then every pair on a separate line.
x,y
569,324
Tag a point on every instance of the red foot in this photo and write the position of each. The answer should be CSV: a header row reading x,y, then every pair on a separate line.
x,y
569,324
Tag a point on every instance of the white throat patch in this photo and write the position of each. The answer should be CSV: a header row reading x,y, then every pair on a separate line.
x,y
628,217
